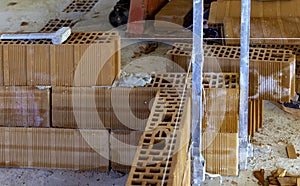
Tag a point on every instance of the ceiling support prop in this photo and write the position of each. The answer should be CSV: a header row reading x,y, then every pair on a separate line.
x,y
244,144
198,163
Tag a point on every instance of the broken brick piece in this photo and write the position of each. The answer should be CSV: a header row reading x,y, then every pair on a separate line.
x,y
272,180
280,172
258,175
291,152
287,181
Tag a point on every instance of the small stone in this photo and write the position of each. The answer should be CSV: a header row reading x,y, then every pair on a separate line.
x,y
234,182
12,4
24,23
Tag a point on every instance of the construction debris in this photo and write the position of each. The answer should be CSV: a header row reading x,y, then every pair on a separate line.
x,y
278,177
260,175
287,181
280,172
147,49
272,180
133,80
291,152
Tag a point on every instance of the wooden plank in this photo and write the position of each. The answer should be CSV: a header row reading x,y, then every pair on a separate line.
x,y
291,152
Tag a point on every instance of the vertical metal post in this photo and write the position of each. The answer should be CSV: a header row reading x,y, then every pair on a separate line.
x,y
198,163
244,83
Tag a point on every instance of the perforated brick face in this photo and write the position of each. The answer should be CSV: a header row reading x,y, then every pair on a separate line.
x,y
158,154
81,6
220,80
75,38
170,80
25,41
230,52
91,37
55,24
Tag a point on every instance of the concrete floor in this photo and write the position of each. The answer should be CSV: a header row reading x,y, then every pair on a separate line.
x,y
269,153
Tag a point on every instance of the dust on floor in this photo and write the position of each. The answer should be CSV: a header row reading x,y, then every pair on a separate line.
x,y
278,129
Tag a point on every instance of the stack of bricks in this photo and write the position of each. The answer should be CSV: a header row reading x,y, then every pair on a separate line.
x,y
85,59
270,21
162,156
180,55
264,62
174,15
220,123
264,28
272,77
125,142
40,84
274,25
272,74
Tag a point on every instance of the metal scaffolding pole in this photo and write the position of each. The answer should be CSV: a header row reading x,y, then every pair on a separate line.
x,y
198,163
244,83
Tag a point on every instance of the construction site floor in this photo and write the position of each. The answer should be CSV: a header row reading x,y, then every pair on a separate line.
x,y
279,128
